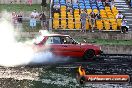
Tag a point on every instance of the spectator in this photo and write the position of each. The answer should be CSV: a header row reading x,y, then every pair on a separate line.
x,y
43,20
124,27
56,8
69,5
71,11
107,2
14,19
32,22
103,1
92,20
97,16
83,20
119,15
29,2
19,20
112,3
35,14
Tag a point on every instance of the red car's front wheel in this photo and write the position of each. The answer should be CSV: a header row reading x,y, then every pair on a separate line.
x,y
89,54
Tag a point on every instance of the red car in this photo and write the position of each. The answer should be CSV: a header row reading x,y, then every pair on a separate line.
x,y
64,45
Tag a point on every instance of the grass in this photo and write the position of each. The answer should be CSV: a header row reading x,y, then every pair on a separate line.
x,y
27,28
106,41
19,7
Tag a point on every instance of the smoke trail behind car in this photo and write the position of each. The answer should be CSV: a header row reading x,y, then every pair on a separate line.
x,y
13,53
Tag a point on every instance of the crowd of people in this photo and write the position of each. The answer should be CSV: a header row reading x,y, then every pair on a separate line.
x,y
93,17
41,17
17,19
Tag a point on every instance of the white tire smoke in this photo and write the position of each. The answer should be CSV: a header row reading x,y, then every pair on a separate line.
x,y
13,53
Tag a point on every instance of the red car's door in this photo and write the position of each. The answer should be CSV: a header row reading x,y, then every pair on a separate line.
x,y
73,50
57,49
53,43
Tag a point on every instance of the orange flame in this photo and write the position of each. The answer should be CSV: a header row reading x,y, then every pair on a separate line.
x,y
81,71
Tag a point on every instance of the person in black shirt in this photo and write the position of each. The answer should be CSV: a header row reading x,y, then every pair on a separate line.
x,y
19,21
43,20
19,18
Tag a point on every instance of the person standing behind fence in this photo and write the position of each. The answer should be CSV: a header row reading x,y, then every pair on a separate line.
x,y
32,22
33,19
92,20
83,20
14,19
43,20
35,14
119,15
124,27
19,20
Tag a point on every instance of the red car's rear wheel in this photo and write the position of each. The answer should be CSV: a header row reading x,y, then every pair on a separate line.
x,y
89,54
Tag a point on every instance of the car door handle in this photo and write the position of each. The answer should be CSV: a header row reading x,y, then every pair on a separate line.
x,y
64,46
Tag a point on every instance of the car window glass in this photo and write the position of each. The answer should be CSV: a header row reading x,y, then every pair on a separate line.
x,y
53,40
67,40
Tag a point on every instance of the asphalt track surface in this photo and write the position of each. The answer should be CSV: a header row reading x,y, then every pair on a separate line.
x,y
27,76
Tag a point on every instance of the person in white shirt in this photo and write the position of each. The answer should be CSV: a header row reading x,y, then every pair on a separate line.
x,y
119,16
33,18
35,14
124,27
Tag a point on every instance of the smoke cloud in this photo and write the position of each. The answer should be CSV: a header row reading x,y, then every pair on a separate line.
x,y
13,53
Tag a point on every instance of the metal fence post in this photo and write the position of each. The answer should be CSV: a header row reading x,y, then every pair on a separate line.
x,y
50,18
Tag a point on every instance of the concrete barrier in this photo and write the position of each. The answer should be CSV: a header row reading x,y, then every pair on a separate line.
x,y
117,49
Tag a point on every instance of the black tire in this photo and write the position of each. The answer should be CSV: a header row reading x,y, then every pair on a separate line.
x,y
89,54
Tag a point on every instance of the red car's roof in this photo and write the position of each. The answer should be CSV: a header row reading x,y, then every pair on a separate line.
x,y
55,35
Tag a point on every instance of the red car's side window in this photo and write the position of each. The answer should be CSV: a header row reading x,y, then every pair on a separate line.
x,y
67,40
53,40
